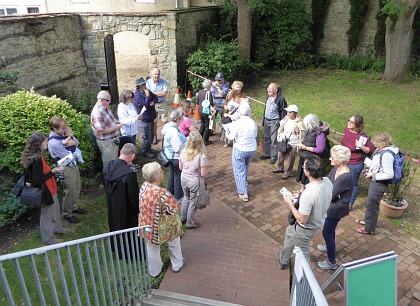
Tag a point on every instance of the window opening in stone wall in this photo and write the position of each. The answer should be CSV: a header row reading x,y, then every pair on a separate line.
x,y
131,58
33,10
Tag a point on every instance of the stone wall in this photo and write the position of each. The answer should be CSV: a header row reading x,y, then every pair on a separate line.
x,y
46,50
366,46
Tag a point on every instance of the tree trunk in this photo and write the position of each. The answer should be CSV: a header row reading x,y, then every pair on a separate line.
x,y
398,41
244,28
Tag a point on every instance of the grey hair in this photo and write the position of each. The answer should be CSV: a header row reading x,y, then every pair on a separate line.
x,y
244,109
342,153
103,94
206,84
128,149
150,171
176,114
311,122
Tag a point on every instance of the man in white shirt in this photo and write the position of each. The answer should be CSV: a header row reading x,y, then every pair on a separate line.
x,y
158,86
313,205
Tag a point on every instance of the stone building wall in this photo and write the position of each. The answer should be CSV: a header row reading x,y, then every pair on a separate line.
x,y
366,46
46,49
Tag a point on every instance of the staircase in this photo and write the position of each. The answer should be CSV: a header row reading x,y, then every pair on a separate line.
x,y
160,297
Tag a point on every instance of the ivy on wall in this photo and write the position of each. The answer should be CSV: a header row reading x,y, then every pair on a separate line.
x,y
379,43
358,12
319,16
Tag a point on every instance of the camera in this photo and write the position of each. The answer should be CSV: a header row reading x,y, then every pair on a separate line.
x,y
117,142
59,177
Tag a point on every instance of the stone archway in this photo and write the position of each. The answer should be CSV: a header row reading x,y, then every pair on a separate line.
x,y
131,57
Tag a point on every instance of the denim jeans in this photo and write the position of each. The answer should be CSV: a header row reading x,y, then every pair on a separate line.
x,y
328,232
174,180
355,172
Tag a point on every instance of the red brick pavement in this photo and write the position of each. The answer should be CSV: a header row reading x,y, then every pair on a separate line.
x,y
266,211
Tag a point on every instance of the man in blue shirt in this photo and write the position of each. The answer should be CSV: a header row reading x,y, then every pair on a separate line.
x,y
158,86
219,90
144,98
273,113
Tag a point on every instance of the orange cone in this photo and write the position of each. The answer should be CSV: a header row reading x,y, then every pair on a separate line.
x,y
177,98
189,98
191,112
196,113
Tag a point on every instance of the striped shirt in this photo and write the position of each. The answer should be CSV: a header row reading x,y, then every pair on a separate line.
x,y
102,118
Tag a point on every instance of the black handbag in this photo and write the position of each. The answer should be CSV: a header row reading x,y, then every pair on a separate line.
x,y
17,190
284,146
31,196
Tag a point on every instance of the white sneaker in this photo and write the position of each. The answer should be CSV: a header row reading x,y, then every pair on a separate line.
x,y
321,248
327,265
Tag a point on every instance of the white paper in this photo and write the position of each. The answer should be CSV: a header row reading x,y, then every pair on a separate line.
x,y
363,140
142,110
65,160
227,126
368,162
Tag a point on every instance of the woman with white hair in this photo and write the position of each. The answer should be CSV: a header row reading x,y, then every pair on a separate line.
x,y
342,180
193,163
154,201
244,132
314,143
173,143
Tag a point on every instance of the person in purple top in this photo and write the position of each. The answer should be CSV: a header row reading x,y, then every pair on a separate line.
x,y
313,143
359,144
144,101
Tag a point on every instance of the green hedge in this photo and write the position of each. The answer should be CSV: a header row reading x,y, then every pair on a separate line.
x,y
26,112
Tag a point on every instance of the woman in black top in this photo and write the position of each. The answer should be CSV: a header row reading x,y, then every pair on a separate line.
x,y
39,174
342,181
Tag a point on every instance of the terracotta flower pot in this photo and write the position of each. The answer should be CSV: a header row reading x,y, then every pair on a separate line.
x,y
392,211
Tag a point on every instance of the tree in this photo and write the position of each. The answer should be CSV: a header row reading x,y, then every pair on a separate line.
x,y
244,28
398,38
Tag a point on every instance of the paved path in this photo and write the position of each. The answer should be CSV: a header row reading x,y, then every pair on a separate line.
x,y
229,260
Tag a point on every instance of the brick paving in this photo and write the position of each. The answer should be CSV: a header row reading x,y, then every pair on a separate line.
x,y
232,256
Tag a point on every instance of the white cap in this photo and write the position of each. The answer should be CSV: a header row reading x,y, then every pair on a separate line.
x,y
292,108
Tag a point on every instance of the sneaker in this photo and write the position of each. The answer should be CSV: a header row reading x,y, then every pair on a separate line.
x,y
54,241
71,219
264,156
208,142
321,248
273,160
65,230
286,175
327,265
79,211
183,265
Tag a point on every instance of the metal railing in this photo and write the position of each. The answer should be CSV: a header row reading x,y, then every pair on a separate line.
x,y
107,269
305,288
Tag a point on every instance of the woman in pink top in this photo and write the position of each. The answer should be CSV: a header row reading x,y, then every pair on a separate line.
x,y
359,144
186,125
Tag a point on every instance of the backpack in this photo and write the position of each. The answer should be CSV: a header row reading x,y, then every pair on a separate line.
x,y
398,165
327,151
206,104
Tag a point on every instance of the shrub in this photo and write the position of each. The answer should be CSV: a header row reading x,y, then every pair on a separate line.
x,y
285,39
26,112
81,101
11,209
214,56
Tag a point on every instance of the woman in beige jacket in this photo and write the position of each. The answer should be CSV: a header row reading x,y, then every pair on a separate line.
x,y
291,130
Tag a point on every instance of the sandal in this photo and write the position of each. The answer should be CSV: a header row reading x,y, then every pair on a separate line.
x,y
244,197
361,230
195,225
361,222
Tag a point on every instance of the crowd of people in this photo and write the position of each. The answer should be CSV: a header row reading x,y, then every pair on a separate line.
x,y
321,202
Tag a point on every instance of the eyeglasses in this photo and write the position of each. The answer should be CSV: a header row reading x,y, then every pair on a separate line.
x,y
107,100
332,157
350,121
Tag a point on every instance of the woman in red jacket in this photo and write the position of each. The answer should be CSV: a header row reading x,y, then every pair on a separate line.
x,y
40,174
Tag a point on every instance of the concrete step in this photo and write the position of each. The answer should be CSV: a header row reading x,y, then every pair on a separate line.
x,y
161,297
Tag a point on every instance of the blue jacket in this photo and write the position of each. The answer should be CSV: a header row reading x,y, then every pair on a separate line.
x,y
141,100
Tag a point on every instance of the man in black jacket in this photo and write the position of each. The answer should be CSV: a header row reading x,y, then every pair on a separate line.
x,y
122,192
273,113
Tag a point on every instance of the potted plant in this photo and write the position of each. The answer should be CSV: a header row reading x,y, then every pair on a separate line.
x,y
394,202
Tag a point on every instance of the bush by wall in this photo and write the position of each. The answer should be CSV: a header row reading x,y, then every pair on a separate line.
x,y
81,101
214,56
26,112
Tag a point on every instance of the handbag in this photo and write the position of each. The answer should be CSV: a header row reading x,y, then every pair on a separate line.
x,y
203,195
31,196
284,146
169,226
163,159
17,190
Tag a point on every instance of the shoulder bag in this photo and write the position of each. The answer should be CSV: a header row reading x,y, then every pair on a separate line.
x,y
203,196
164,161
169,226
30,196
